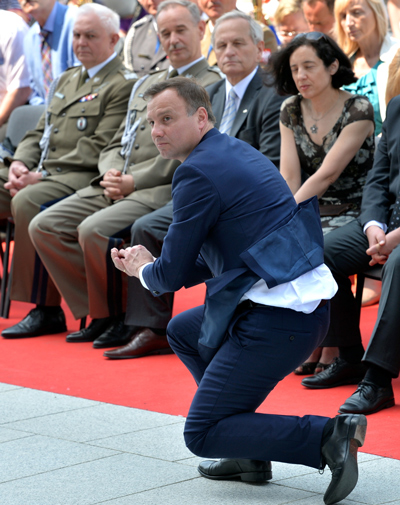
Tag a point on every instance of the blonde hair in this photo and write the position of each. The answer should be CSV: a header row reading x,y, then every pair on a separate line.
x,y
393,83
285,8
379,10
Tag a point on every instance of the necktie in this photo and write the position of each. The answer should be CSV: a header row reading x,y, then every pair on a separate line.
x,y
46,61
229,113
173,73
84,76
395,217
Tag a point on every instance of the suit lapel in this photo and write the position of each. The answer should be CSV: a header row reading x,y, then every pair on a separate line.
x,y
218,103
248,98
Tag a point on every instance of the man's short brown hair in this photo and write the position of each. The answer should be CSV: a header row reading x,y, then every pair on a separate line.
x,y
190,90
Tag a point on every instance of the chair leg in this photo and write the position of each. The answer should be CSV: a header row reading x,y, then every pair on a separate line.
x,y
7,301
359,293
5,279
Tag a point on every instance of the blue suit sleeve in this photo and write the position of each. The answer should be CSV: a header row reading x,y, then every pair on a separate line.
x,y
196,210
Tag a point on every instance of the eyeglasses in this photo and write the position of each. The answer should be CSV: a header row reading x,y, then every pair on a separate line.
x,y
282,33
312,36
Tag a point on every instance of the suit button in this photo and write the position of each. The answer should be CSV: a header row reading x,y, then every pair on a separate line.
x,y
63,114
291,338
143,127
55,130
53,149
83,110
137,146
58,169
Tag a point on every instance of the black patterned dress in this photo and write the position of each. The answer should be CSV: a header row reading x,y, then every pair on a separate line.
x,y
347,189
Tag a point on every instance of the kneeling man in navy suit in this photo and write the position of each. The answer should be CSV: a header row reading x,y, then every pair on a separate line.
x,y
237,227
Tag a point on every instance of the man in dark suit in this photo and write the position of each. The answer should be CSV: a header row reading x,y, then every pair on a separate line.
x,y
256,121
234,218
372,239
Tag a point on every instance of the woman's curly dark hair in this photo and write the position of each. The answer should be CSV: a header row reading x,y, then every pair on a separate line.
x,y
327,50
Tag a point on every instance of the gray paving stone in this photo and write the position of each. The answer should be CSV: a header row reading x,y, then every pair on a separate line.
x,y
165,443
97,422
378,482
8,387
206,492
37,454
94,482
21,404
7,434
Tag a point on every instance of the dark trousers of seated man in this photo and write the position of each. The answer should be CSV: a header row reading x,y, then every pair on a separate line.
x,y
143,309
263,345
345,255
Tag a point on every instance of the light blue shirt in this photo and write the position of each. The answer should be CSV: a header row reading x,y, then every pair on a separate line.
x,y
60,25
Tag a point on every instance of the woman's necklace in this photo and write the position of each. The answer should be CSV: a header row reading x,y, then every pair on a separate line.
x,y
314,127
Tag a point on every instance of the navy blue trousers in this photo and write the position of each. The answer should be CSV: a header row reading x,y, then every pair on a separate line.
x,y
263,345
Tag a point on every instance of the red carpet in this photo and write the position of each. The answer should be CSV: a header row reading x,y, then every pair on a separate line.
x,y
161,383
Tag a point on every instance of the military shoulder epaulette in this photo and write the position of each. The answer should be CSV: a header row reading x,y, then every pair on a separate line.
x,y
140,22
129,75
217,70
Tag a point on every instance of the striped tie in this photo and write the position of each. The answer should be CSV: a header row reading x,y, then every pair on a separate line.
x,y
229,113
46,61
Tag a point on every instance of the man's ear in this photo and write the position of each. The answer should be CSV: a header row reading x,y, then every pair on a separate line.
x,y
114,38
202,116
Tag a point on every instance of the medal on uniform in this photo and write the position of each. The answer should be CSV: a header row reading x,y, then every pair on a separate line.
x,y
81,124
89,98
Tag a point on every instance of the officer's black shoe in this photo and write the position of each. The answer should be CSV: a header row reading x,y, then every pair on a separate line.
x,y
39,321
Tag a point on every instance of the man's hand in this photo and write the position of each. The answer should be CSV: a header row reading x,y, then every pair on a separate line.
x,y
19,176
116,185
380,248
130,260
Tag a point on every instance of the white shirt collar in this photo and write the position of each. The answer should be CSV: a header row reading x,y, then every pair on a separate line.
x,y
94,70
240,87
185,67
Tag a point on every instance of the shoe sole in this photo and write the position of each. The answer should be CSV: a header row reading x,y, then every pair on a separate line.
x,y
386,405
31,335
150,353
108,345
255,477
335,385
343,485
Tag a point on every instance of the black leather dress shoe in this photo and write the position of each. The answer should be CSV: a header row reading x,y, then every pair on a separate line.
x,y
143,343
247,470
368,398
38,322
340,454
91,332
339,373
115,335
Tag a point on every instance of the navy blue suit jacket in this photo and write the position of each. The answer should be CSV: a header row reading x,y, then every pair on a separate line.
x,y
232,206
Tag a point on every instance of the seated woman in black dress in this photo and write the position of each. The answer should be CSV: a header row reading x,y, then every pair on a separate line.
x,y
327,136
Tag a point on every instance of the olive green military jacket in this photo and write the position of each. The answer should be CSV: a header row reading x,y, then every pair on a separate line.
x,y
147,167
141,54
84,120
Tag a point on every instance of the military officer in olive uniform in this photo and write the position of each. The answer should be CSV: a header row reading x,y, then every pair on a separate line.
x,y
83,115
143,51
87,225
